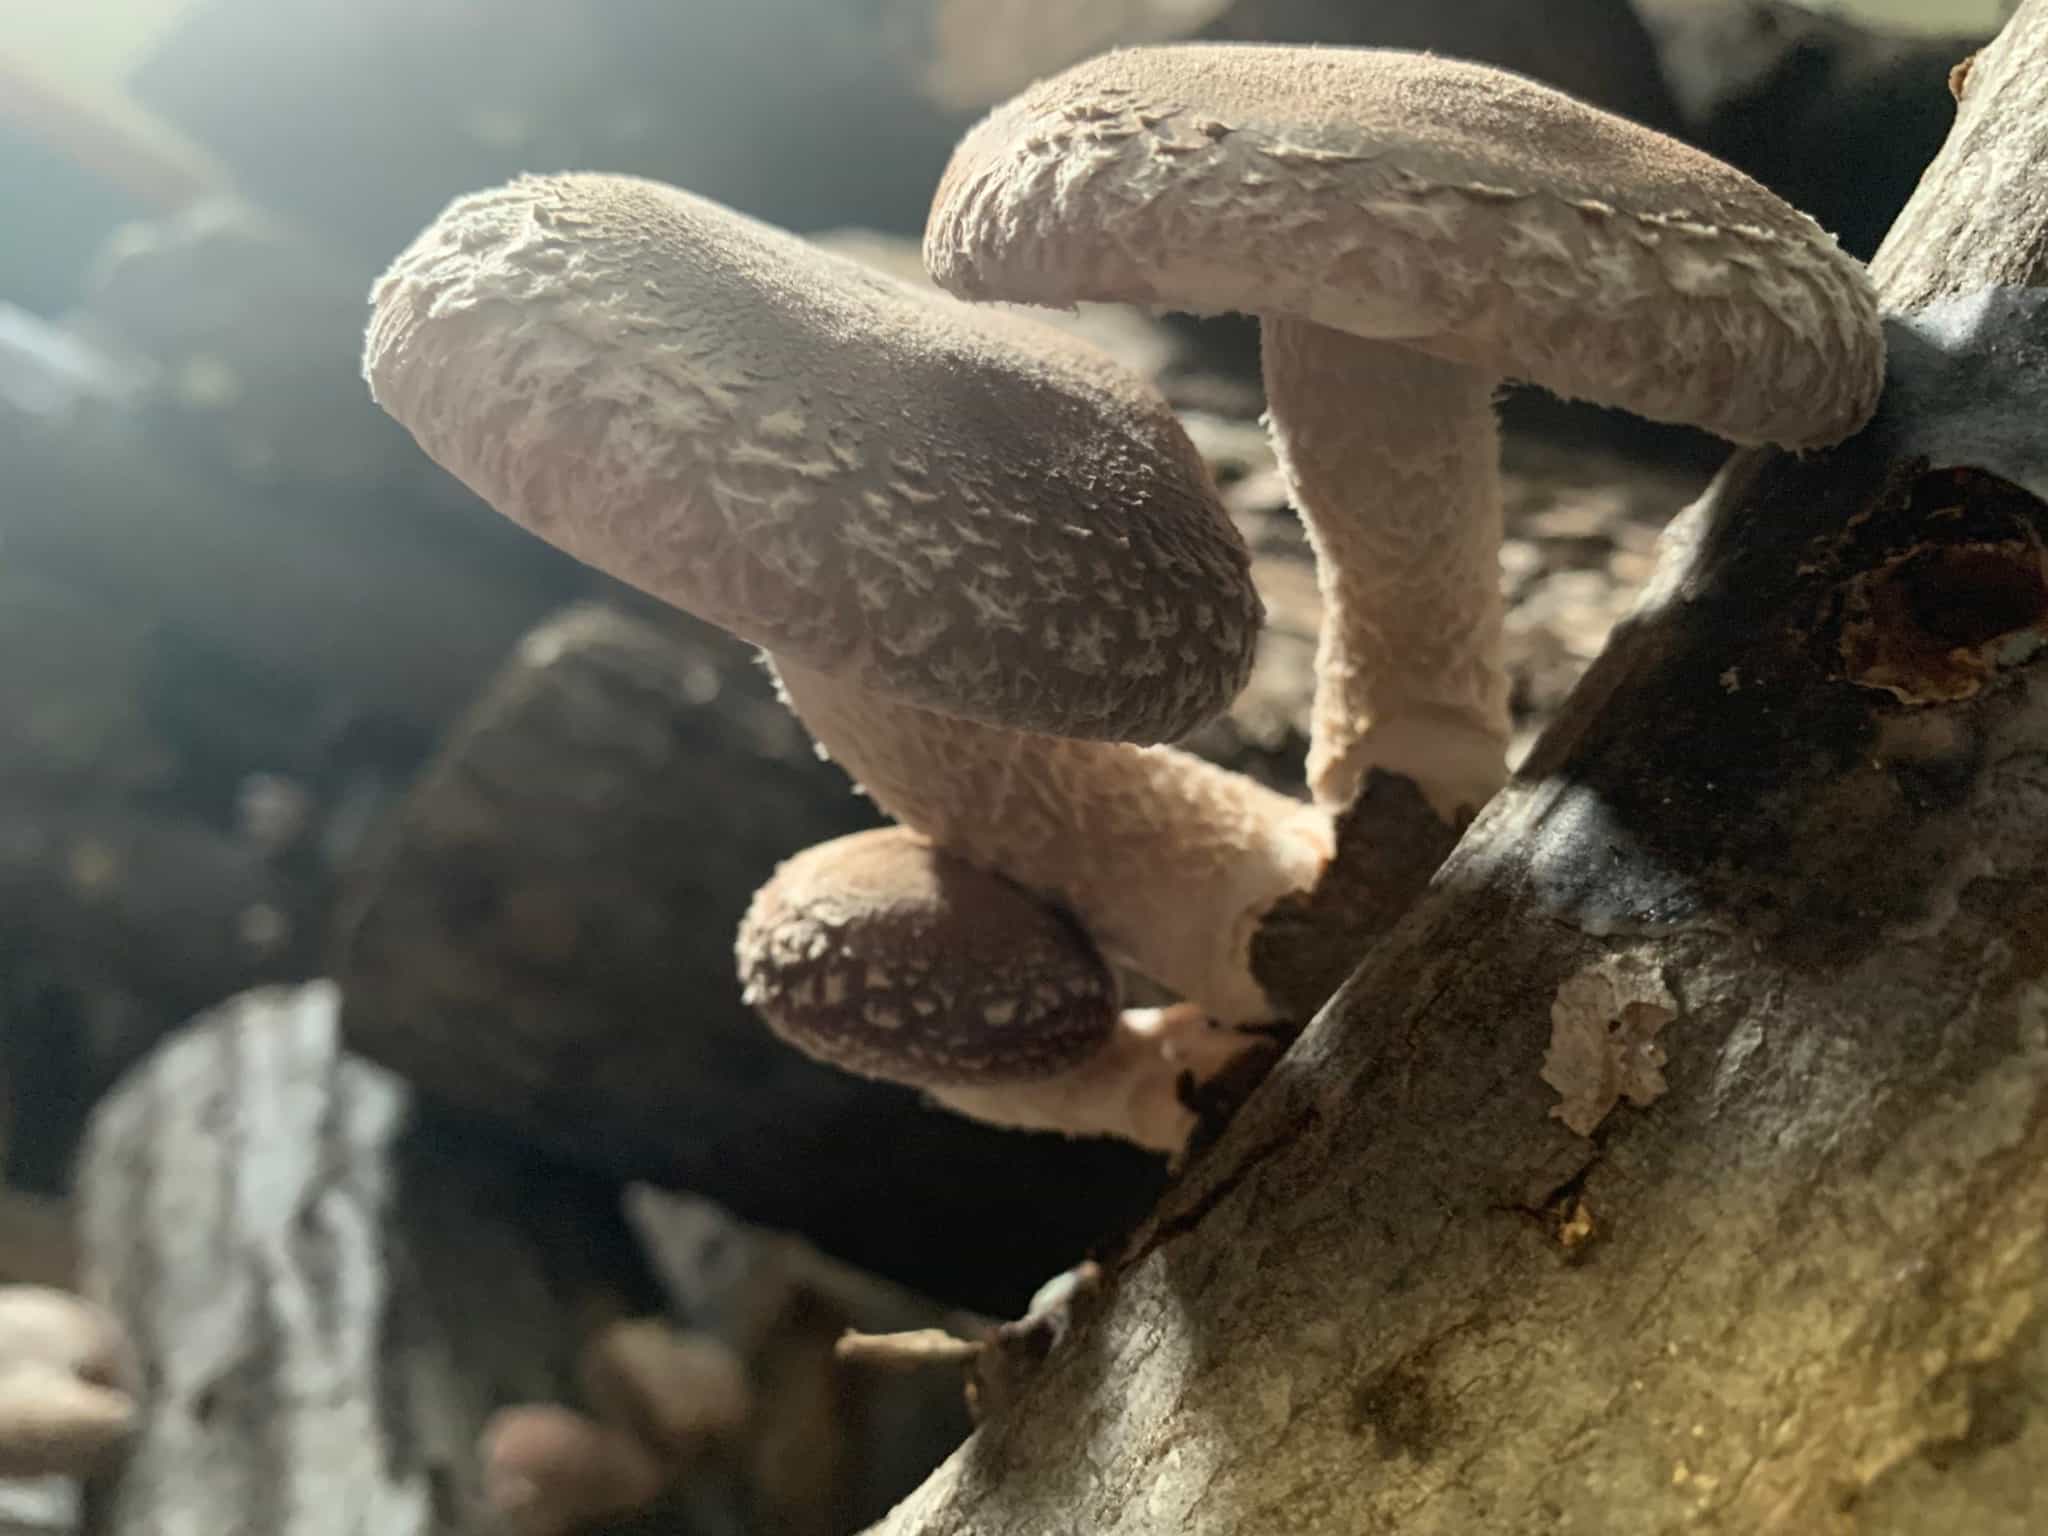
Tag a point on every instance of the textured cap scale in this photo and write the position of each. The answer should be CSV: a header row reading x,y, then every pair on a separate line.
x,y
1466,211
959,509
887,957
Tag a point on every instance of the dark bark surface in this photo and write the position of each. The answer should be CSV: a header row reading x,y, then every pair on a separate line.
x,y
547,944
1779,869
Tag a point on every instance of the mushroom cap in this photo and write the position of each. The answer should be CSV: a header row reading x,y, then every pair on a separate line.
x,y
1467,211
964,510
887,957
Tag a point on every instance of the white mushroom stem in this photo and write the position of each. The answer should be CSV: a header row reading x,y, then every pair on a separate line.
x,y
1392,459
1167,861
1129,1089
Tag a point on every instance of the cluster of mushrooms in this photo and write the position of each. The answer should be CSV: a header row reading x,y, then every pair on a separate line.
x,y
990,570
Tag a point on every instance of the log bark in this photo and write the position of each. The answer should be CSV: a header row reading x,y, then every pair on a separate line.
x,y
1779,872
546,944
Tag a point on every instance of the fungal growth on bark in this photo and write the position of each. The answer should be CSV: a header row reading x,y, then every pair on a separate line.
x,y
1168,862
1412,231
991,571
985,560
887,956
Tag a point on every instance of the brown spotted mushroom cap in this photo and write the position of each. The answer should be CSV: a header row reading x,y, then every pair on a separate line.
x,y
962,510
887,957
1469,212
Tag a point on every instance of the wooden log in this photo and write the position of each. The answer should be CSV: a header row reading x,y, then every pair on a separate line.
x,y
163,901
245,556
546,944
1780,872
330,1292
236,1207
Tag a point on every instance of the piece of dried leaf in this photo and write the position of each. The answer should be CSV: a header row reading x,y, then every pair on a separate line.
x,y
1604,1024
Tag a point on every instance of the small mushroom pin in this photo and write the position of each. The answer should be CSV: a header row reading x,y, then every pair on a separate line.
x,y
66,1398
660,1399
551,1471
889,957
1411,231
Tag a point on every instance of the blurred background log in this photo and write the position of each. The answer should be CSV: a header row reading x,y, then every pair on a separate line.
x,y
329,1293
547,943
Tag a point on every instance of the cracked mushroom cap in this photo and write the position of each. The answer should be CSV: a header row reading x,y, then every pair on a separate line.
x,y
886,957
963,510
1469,212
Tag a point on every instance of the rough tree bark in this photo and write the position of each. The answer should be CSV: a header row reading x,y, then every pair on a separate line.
x,y
1797,818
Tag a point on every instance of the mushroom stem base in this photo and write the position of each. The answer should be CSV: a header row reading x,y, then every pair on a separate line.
x,y
1167,861
1130,1089
1392,458
1456,765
